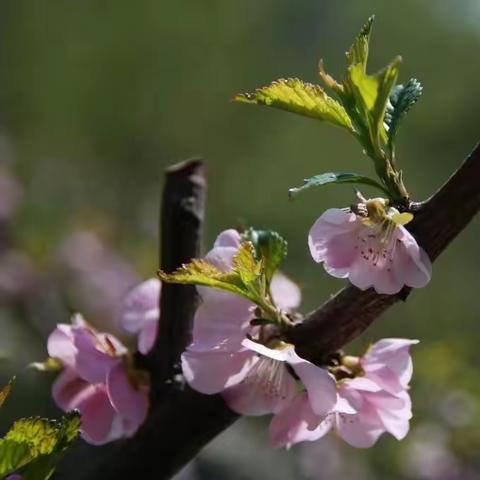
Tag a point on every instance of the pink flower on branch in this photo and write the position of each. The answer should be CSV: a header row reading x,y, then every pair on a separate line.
x,y
371,250
254,377
369,404
95,381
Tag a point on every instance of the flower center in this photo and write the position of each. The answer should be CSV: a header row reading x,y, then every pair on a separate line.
x,y
270,376
376,244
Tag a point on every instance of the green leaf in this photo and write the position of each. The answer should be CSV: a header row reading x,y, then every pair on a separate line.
x,y
271,247
44,465
36,445
370,95
294,95
246,265
13,455
402,98
336,177
240,280
358,52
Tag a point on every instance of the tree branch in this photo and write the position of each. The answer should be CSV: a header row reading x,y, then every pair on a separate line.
x,y
182,422
181,226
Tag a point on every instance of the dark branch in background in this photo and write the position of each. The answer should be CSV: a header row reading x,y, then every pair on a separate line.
x,y
181,222
181,421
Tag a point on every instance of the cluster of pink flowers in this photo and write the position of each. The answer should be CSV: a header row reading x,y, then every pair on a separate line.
x,y
248,362
371,400
258,374
97,380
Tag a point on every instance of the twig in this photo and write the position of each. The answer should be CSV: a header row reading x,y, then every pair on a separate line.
x,y
181,225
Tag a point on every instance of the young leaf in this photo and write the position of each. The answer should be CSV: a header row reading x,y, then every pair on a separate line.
x,y
335,177
402,98
370,94
240,280
44,465
200,272
296,96
36,444
358,52
271,247
245,264
13,455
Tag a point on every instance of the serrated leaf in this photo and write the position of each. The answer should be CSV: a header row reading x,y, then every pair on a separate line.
x,y
5,391
44,465
358,52
36,444
245,264
201,272
401,100
294,95
336,177
39,433
240,280
271,247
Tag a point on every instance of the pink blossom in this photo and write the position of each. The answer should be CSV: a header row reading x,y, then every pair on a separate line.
x,y
141,312
95,382
388,363
378,253
368,405
363,412
253,378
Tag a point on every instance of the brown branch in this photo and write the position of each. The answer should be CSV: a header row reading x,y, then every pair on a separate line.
x,y
182,422
181,225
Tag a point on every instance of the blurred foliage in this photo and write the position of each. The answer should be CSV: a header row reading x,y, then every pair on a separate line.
x,y
98,97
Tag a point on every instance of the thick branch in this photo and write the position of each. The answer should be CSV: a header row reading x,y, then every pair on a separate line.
x,y
181,222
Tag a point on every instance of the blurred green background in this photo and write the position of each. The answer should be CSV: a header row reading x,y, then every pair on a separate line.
x,y
97,97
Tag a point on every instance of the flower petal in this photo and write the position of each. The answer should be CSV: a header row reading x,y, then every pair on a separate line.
x,y
228,238
147,336
286,294
97,415
329,225
319,383
60,345
67,386
220,318
141,305
213,371
356,432
298,423
395,413
412,265
130,403
389,364
267,388
91,363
